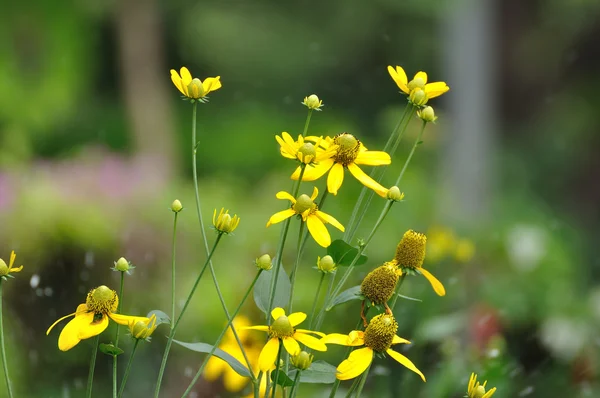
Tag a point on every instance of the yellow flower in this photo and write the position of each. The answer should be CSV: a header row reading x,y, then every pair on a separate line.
x,y
5,270
143,329
194,88
410,255
91,318
283,329
476,390
379,336
349,153
431,90
306,152
315,219
224,223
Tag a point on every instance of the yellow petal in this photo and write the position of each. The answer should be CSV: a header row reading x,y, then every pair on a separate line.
x,y
489,393
421,75
315,172
127,319
280,216
297,318
69,336
399,76
373,158
335,178
13,255
310,341
211,84
285,195
94,328
472,381
176,79
329,219
214,367
358,361
277,312
291,346
318,230
399,340
436,89
336,338
186,77
15,269
366,180
437,285
305,331
232,381
268,354
405,361
81,308
258,327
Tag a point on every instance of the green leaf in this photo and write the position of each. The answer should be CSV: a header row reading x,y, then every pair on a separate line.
x,y
319,372
110,349
409,298
282,379
161,317
219,353
350,294
262,289
343,254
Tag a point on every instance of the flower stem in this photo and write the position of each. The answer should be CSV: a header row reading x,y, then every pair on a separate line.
x,y
216,345
128,368
314,306
277,369
310,111
412,152
363,379
174,328
90,381
352,387
295,388
115,359
295,269
396,291
173,266
256,384
337,382
2,347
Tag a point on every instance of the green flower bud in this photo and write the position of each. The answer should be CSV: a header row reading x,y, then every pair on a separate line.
x,y
224,223
427,114
416,83
479,392
307,152
326,264
313,102
303,360
195,89
264,262
303,203
122,265
418,97
176,206
394,194
3,268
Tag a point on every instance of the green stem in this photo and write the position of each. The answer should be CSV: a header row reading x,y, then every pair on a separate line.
x,y
352,387
316,300
337,382
115,357
310,111
216,345
295,388
277,369
363,379
396,292
173,267
174,328
4,363
90,381
295,269
412,152
321,314
128,368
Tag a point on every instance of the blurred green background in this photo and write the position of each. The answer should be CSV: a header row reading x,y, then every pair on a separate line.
x,y
95,144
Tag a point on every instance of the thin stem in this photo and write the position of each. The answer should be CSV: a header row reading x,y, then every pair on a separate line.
x,y
295,269
115,357
257,384
310,111
314,306
396,291
337,382
173,266
277,369
174,328
321,315
412,152
295,388
90,381
216,345
363,379
4,362
128,368
352,388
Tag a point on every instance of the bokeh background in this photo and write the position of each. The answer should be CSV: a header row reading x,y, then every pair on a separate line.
x,y
95,144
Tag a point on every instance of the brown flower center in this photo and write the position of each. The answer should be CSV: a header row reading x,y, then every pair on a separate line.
x,y
348,147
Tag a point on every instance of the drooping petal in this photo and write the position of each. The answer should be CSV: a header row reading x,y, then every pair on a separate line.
x,y
296,318
342,339
329,219
310,341
176,79
277,312
399,340
435,283
93,329
373,158
285,195
405,362
358,361
315,193
81,308
70,335
315,172
489,393
211,84
306,331
268,354
127,319
366,180
318,230
436,89
291,346
280,216
262,328
399,76
421,75
335,178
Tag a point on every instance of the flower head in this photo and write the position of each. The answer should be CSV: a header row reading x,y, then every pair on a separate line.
x,y
378,337
349,154
283,330
313,102
418,84
194,89
176,206
326,264
427,114
122,265
410,255
476,390
304,151
5,270
394,194
224,223
143,329
264,262
303,360
379,285
91,318
307,209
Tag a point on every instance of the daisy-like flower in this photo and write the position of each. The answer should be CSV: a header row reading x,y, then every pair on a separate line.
x,y
377,338
194,89
91,318
419,82
283,329
224,223
5,270
143,329
476,390
349,154
303,151
410,255
306,208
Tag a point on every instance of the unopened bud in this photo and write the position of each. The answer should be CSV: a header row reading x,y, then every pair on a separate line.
x,y
122,265
313,102
427,114
302,361
3,268
176,206
264,262
326,264
394,194
418,97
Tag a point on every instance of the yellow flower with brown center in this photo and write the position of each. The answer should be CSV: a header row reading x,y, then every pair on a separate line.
x,y
349,154
224,223
5,270
418,90
410,255
378,337
283,330
307,209
194,88
302,150
91,318
476,390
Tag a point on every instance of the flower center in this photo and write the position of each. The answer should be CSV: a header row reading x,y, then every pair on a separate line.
x,y
379,284
307,152
348,147
416,83
102,300
380,332
303,203
411,250
281,328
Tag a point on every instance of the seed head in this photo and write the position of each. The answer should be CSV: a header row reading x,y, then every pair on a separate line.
x,y
379,284
380,332
411,250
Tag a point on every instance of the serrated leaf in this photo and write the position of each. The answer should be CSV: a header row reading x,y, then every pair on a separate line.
x,y
236,365
161,317
262,289
110,349
350,294
343,254
282,379
319,372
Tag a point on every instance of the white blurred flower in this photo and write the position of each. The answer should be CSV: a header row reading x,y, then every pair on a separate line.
x,y
564,337
526,246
